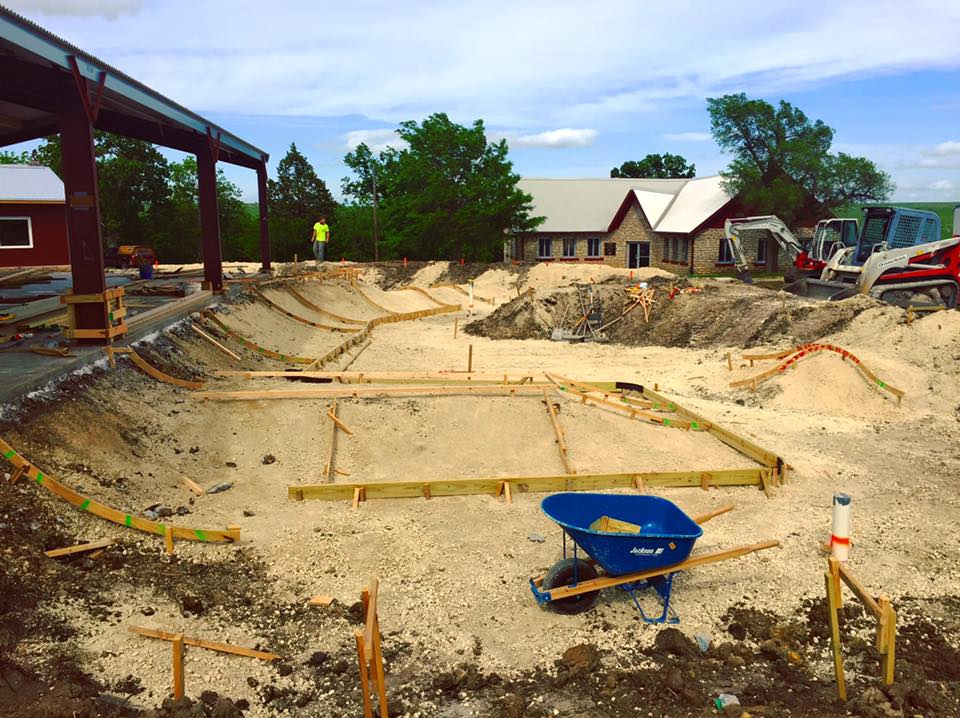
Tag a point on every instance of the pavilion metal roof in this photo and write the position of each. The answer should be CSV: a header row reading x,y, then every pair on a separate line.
x,y
34,63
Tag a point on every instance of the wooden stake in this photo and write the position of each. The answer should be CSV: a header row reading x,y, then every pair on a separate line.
x,y
339,424
110,358
193,486
377,660
168,539
332,413
558,432
214,342
201,643
835,637
470,358
18,474
364,677
178,686
729,362
359,494
455,320
506,491
889,658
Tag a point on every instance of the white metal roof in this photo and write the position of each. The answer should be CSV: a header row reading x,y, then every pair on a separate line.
x,y
696,202
589,205
586,205
29,183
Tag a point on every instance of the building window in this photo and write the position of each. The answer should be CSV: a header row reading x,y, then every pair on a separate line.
x,y
545,248
593,247
762,251
610,249
725,256
16,233
666,249
569,247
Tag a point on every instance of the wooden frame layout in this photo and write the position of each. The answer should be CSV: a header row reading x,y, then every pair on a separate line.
x,y
253,346
879,607
231,534
149,369
429,296
202,643
558,433
344,391
320,310
791,357
403,377
369,655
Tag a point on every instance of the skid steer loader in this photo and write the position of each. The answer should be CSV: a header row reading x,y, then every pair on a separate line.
x,y
899,258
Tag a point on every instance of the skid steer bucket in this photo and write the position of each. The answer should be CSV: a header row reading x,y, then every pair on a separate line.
x,y
820,289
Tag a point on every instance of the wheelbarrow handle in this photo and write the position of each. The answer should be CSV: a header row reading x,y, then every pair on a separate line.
x,y
703,518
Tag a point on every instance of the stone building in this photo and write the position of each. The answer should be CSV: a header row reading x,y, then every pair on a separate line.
x,y
673,224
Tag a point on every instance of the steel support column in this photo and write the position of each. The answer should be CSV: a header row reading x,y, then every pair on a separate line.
x,y
264,228
82,208
209,218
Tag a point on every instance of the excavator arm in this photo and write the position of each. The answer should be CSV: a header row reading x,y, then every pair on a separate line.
x,y
773,224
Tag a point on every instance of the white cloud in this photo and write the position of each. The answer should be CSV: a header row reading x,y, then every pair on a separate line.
x,y
687,136
941,185
110,9
376,140
946,148
554,139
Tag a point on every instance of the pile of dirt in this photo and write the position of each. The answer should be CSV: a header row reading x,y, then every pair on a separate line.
x,y
719,314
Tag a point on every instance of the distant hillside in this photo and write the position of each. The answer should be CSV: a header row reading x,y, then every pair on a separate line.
x,y
944,209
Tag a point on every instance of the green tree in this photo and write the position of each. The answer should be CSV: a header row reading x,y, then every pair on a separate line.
x,y
14,158
782,162
448,194
665,166
352,237
298,198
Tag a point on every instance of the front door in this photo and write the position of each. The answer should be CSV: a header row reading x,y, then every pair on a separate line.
x,y
638,254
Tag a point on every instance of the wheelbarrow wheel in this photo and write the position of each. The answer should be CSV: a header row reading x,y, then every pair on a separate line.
x,y
562,574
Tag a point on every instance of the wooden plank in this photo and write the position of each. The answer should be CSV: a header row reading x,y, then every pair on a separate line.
x,y
203,643
80,548
168,541
832,609
327,468
890,655
865,598
150,370
365,391
321,600
214,342
533,484
429,296
296,317
364,677
253,346
692,562
370,619
377,377
558,432
178,683
368,300
109,513
338,423
606,524
567,385
377,661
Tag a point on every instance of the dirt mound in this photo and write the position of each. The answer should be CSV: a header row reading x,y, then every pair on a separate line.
x,y
720,314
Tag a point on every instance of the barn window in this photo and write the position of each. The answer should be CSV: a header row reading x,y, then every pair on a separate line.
x,y
593,247
545,248
725,256
569,247
16,233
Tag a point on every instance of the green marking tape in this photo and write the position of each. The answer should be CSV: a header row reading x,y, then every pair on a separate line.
x,y
666,422
694,425
85,505
673,407
9,454
881,383
161,529
40,477
200,535
127,520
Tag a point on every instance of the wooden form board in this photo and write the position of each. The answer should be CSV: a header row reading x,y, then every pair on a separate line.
x,y
151,370
80,548
108,512
567,385
339,273
342,391
368,300
407,377
320,310
201,643
429,296
328,467
495,486
296,317
214,342
370,656
253,346
558,433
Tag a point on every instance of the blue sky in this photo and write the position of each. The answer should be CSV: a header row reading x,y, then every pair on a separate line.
x,y
575,87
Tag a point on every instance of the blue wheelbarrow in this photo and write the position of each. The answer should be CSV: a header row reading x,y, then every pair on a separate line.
x,y
633,542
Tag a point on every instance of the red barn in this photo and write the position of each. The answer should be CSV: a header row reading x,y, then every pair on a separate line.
x,y
33,224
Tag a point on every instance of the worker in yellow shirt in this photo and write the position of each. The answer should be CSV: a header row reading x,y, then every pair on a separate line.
x,y
319,238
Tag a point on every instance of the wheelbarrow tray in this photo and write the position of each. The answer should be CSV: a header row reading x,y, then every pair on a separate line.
x,y
666,538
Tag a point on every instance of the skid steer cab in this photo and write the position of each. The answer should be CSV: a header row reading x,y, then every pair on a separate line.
x,y
899,258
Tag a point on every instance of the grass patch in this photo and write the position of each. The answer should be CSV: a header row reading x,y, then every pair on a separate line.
x,y
943,209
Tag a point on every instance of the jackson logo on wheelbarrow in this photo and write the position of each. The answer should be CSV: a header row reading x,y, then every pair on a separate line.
x,y
606,527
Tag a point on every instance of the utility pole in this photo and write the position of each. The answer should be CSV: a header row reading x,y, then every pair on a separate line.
x,y
376,232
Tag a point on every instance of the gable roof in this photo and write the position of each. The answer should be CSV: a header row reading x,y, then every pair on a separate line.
x,y
599,205
30,183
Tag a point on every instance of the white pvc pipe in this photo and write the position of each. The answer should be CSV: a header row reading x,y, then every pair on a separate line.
x,y
840,536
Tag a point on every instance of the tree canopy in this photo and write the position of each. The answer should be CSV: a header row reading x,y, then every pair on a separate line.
x,y
448,193
298,198
662,166
782,162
